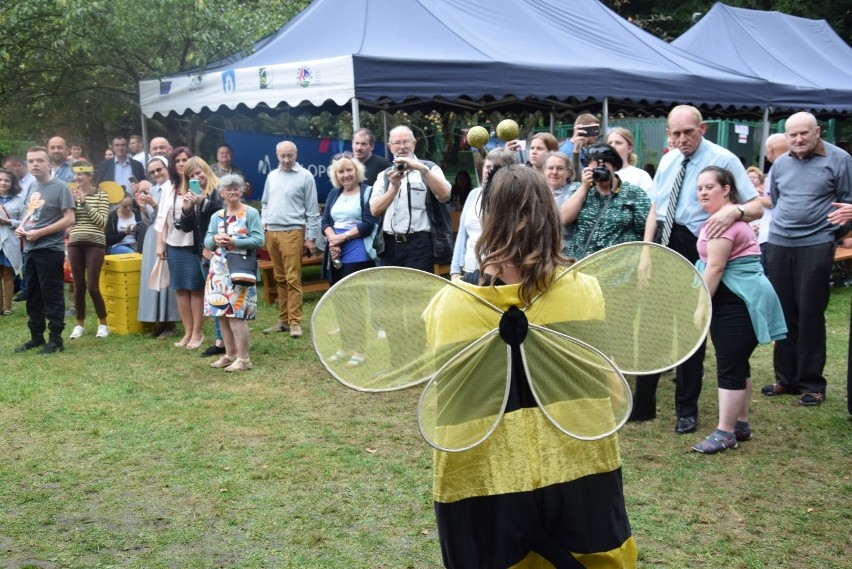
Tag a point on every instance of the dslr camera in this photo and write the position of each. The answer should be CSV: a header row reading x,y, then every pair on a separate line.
x,y
600,174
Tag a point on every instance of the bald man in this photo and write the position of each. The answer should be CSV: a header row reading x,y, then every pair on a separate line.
x,y
691,153
159,146
290,217
776,145
806,181
60,166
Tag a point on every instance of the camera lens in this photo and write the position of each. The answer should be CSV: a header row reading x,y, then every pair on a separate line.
x,y
600,174
400,166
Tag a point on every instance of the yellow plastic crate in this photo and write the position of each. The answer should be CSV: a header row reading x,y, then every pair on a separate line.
x,y
126,291
119,279
124,329
124,263
122,311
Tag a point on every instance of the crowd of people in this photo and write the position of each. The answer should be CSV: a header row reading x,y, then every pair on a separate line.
x,y
763,243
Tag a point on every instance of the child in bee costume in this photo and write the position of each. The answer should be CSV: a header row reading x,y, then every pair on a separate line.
x,y
524,387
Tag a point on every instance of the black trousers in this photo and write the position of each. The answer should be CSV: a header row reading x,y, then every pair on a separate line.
x,y
406,334
415,252
688,375
43,273
800,276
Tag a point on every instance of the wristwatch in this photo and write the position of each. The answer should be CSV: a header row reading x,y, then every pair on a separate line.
x,y
742,211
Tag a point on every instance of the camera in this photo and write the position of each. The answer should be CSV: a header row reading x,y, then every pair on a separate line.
x,y
600,174
400,166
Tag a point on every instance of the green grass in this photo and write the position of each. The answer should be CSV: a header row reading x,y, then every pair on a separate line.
x,y
127,452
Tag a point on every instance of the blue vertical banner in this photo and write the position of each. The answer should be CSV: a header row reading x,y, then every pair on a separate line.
x,y
254,154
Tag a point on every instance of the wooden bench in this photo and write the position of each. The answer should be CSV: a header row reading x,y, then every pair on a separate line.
x,y
267,276
842,254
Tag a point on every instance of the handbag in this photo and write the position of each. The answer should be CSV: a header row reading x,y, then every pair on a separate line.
x,y
441,227
242,268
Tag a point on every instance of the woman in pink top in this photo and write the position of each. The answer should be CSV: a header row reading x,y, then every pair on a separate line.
x,y
746,310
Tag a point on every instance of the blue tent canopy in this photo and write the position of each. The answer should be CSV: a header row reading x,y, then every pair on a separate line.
x,y
805,55
388,52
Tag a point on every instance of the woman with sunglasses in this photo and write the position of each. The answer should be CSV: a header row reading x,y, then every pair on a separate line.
x,y
349,228
179,244
158,307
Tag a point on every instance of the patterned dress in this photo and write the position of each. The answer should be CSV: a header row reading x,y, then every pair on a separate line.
x,y
221,296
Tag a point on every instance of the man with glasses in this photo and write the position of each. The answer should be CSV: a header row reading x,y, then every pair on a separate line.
x,y
399,194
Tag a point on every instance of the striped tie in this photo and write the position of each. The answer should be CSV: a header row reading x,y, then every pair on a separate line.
x,y
670,210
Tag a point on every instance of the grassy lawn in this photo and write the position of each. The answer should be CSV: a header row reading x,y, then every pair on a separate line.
x,y
128,452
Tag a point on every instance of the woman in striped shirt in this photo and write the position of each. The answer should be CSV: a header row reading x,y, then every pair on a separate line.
x,y
87,247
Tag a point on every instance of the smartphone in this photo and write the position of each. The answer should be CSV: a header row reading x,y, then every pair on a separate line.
x,y
133,180
195,186
591,130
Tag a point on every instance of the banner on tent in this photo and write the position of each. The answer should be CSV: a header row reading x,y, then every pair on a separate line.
x,y
254,154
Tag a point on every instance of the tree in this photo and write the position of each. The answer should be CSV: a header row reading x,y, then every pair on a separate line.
x,y
73,66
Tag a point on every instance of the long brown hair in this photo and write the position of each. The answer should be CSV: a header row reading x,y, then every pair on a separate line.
x,y
521,226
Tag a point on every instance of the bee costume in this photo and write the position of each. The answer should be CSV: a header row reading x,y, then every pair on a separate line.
x,y
522,403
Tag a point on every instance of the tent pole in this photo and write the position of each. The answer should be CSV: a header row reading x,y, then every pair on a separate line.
x,y
385,128
605,117
144,139
765,135
356,115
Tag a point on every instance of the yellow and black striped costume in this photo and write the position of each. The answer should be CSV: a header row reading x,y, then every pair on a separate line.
x,y
528,496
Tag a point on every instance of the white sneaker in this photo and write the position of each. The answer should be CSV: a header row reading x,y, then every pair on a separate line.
x,y
103,331
76,332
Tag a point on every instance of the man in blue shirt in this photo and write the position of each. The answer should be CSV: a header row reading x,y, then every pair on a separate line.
x,y
60,166
120,168
691,154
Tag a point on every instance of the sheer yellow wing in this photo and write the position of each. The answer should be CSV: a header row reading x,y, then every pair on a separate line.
x,y
465,400
379,316
576,386
657,307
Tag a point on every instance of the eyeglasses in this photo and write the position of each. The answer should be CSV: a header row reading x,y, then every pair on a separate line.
x,y
403,143
346,154
155,171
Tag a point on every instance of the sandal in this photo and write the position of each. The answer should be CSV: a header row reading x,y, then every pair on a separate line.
x,y
224,361
194,345
239,364
356,359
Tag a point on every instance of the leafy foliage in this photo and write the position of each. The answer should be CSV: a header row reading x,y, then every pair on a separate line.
x,y
79,61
